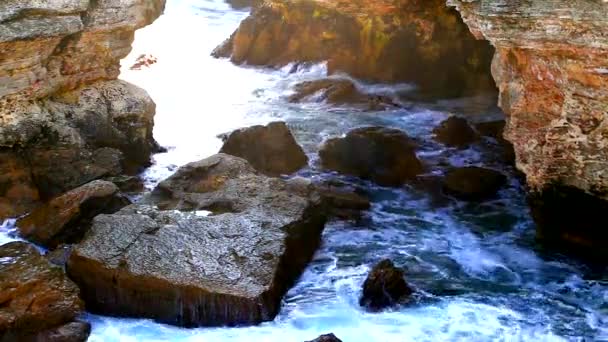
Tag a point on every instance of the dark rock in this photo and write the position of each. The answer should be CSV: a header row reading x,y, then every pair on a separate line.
x,y
65,219
495,130
60,255
39,302
18,193
162,259
570,220
128,184
270,149
385,286
242,4
71,332
473,183
340,92
455,132
326,338
383,155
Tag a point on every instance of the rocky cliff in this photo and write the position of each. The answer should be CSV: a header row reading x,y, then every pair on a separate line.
x,y
551,67
64,119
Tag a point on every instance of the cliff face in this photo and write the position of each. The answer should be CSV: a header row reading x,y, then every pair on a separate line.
x,y
419,41
64,119
551,67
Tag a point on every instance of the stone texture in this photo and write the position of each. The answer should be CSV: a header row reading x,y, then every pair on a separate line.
x,y
162,259
455,132
326,338
66,218
473,183
270,149
383,155
38,302
384,286
424,42
551,67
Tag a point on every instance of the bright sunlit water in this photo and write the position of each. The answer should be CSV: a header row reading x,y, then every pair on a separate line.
x,y
476,266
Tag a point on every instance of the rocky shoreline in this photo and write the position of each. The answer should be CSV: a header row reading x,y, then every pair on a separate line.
x,y
221,241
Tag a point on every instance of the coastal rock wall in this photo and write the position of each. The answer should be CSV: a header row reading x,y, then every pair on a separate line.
x,y
64,118
551,68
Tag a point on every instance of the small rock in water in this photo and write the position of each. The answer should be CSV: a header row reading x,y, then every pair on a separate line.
x,y
385,286
383,155
326,338
473,183
455,132
270,149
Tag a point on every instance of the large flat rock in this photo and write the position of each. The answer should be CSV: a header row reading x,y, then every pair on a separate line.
x,y
163,259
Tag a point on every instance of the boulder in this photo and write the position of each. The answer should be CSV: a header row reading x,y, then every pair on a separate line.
x,y
166,259
38,302
270,149
473,183
383,155
455,132
18,193
366,39
340,92
385,286
66,218
326,338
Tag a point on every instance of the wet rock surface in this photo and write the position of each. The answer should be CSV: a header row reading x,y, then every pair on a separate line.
x,y
39,303
163,259
340,92
326,338
270,149
384,286
455,132
383,155
65,219
473,183
553,88
423,42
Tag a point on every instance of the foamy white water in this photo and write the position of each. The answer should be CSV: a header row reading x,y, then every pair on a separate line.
x,y
476,265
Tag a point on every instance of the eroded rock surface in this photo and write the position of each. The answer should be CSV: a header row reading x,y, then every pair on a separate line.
x,y
424,42
551,67
64,119
66,218
384,286
39,303
165,260
270,149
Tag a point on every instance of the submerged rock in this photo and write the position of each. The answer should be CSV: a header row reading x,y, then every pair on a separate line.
x,y
385,286
423,42
455,132
270,149
473,183
340,92
383,155
65,219
164,259
39,303
326,338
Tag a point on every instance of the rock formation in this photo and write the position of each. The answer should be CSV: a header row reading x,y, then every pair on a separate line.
x,y
38,302
384,286
473,183
164,259
551,67
64,119
383,155
423,42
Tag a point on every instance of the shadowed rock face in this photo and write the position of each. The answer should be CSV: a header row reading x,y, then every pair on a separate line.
x,y
161,259
39,303
423,42
551,69
270,149
383,155
384,286
61,109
